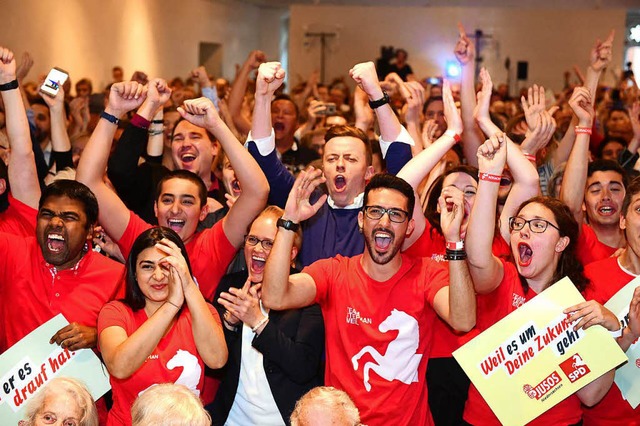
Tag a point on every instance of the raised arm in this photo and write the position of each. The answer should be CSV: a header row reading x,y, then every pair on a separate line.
x,y
422,164
239,88
281,291
472,135
455,303
599,58
485,268
255,188
365,76
413,94
481,111
526,181
114,215
575,175
23,177
60,143
132,183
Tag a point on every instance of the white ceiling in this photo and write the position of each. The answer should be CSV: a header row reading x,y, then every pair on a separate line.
x,y
538,4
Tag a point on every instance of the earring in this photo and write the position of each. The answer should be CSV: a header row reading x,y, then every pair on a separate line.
x,y
360,229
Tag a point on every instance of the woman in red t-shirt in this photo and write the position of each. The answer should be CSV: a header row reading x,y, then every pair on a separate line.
x,y
543,240
163,331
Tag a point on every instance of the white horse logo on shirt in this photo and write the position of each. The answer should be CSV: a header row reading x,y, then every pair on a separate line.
x,y
400,362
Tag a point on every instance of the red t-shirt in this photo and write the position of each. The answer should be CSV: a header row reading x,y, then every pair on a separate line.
x,y
33,291
607,278
210,252
433,245
589,248
19,219
174,360
378,335
492,307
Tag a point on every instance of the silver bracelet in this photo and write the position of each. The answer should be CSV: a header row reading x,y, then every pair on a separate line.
x,y
260,324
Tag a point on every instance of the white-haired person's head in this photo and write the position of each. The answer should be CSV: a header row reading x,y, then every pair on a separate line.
x,y
169,404
63,401
325,405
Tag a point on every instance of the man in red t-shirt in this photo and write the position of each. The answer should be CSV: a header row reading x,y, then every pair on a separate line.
x,y
379,306
55,272
181,198
606,278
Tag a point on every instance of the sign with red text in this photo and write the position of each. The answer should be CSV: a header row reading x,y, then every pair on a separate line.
x,y
627,376
30,364
533,358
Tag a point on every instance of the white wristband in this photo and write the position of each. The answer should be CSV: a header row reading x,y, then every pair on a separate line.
x,y
617,333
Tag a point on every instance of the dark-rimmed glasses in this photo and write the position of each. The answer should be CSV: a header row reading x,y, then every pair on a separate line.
x,y
252,240
535,225
395,215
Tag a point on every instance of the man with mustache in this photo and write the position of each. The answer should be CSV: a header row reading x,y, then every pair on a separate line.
x,y
366,298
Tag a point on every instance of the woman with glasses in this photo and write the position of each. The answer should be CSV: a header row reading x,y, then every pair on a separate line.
x,y
543,236
274,356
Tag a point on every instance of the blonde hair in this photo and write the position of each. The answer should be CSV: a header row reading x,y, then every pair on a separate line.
x,y
276,213
169,404
330,400
72,388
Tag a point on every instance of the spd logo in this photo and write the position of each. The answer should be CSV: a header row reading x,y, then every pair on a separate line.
x,y
574,368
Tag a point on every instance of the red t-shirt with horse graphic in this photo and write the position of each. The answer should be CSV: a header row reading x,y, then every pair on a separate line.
x,y
378,335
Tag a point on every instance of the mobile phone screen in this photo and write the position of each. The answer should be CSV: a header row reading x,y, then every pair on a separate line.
x,y
54,80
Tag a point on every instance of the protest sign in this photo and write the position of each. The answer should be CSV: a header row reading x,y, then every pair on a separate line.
x,y
32,362
532,359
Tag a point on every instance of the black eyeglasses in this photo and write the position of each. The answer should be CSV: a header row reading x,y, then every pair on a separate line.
x,y
535,225
267,244
395,215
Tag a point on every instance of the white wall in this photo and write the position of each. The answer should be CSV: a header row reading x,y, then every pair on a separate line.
x,y
160,37
551,40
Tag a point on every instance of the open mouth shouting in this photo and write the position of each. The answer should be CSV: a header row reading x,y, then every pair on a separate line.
x,y
257,264
55,242
383,239
525,254
176,224
606,210
340,183
278,126
236,189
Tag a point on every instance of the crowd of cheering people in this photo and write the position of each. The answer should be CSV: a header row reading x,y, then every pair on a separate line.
x,y
237,253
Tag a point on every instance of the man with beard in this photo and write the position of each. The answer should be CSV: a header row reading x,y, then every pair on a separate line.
x,y
346,163
380,290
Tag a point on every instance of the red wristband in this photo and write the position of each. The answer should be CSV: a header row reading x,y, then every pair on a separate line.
x,y
585,130
454,135
490,177
455,245
530,157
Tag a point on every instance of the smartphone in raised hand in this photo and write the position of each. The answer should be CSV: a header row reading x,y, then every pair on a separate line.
x,y
56,78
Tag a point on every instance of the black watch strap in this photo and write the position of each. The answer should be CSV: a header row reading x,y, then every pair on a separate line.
x,y
382,101
110,118
13,84
289,225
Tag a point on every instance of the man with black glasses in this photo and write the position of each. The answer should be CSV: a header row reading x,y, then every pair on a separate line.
x,y
379,306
